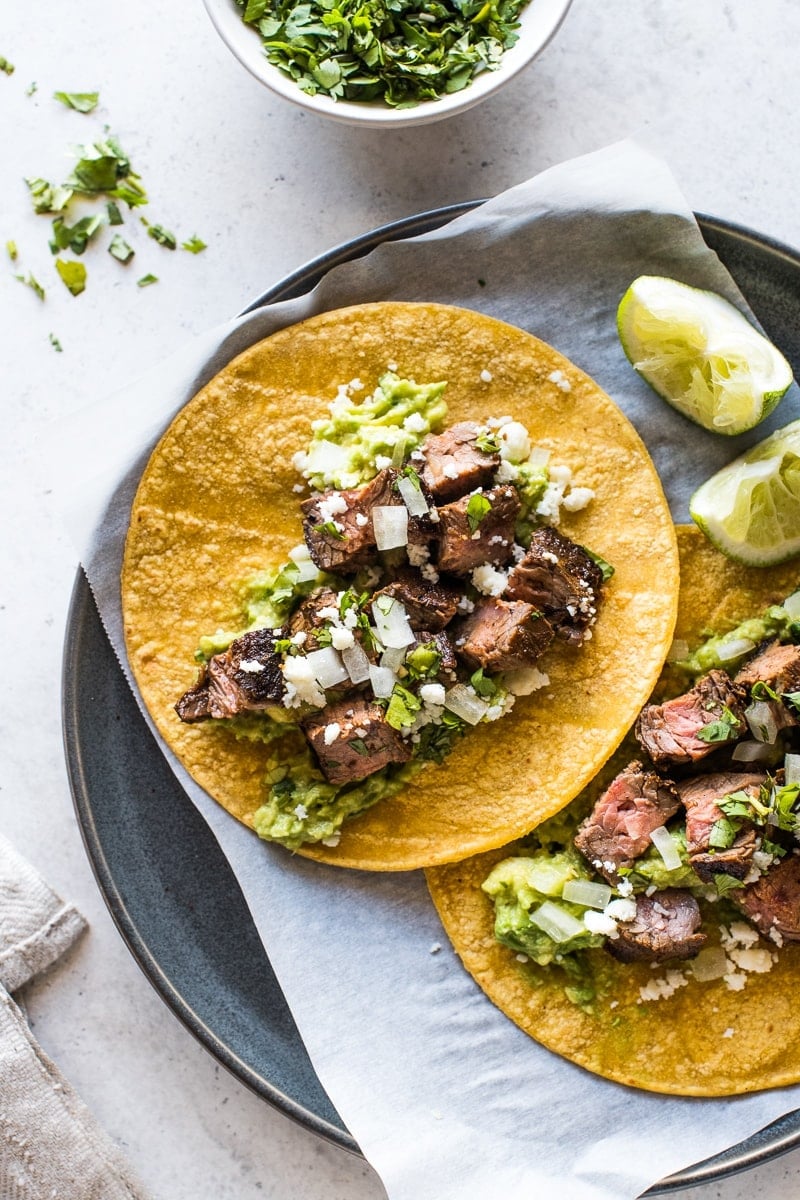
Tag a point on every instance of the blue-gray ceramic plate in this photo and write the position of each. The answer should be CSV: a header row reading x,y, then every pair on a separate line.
x,y
165,880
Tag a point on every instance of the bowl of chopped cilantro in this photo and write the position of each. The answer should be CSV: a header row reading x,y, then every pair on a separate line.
x,y
386,62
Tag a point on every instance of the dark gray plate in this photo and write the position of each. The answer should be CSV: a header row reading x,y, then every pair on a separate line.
x,y
167,884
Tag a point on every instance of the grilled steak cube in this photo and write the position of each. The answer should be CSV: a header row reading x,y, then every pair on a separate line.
x,y
699,797
666,926
428,605
454,464
772,903
244,678
307,618
776,665
352,740
618,828
503,635
669,732
464,545
344,541
559,578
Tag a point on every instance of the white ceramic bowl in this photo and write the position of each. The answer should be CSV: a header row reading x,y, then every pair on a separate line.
x,y
539,21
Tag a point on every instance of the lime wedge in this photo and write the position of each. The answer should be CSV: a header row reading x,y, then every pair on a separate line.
x,y
700,354
750,509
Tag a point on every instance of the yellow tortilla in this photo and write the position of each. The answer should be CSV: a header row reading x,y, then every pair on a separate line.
x,y
216,504
705,1039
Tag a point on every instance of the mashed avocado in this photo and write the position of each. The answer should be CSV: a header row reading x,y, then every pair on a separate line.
x,y
720,650
346,447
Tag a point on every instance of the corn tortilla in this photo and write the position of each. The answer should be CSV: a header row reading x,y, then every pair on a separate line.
x,y
705,1039
216,504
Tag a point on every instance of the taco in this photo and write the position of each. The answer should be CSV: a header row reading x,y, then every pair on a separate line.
x,y
650,932
333,584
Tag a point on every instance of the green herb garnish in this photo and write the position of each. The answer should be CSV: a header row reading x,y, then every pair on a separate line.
x,y
146,280
55,343
605,567
331,529
48,197
5,66
74,237
118,248
402,708
163,236
82,102
73,274
31,88
194,244
488,442
11,251
477,508
114,215
30,281
726,729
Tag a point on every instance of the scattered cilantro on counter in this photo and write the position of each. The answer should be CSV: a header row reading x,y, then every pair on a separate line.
x,y
82,102
163,236
118,248
73,274
11,250
146,280
30,281
402,52
75,237
32,88
55,343
5,66
194,244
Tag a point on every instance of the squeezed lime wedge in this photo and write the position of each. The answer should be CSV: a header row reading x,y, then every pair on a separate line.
x,y
700,354
750,509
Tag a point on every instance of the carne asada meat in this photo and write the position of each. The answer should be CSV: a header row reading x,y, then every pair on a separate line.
x,y
464,545
307,617
503,635
558,577
428,605
668,732
666,926
337,526
699,797
776,665
244,678
618,828
352,740
773,901
454,464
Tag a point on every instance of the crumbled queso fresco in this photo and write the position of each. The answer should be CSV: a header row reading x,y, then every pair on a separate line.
x,y
740,955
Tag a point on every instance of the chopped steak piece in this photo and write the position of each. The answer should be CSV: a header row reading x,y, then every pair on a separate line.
x,y
773,901
618,828
428,605
666,926
699,797
352,740
349,542
464,546
454,464
245,678
776,665
502,635
668,732
307,618
559,577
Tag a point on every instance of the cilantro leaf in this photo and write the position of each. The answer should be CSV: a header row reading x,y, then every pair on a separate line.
x,y
146,280
30,281
73,274
163,236
726,729
114,215
5,66
55,343
48,197
118,248
477,508
74,237
82,102
11,250
194,244
403,708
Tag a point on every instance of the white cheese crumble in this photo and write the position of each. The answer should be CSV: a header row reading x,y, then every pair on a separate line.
x,y
435,948
301,685
332,506
432,694
489,580
506,472
450,469
560,380
621,909
662,989
382,462
515,442
600,922
525,680
301,812
331,733
342,638
486,376
577,498
251,666
362,519
415,423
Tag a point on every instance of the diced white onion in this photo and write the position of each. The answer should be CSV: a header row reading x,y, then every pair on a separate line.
x,y
303,561
791,765
465,704
539,457
357,663
735,648
792,606
327,666
392,624
762,721
413,498
710,963
752,752
587,893
390,524
678,651
382,680
556,922
393,658
666,847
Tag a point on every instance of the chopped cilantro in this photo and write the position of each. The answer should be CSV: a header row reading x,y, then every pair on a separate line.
x,y
488,442
73,274
5,66
114,215
118,248
484,687
82,102
30,281
55,343
331,529
401,52
359,745
48,197
424,661
194,244
726,883
722,833
726,729
74,237
163,236
105,167
436,741
31,88
11,250
605,567
403,708
477,508
146,280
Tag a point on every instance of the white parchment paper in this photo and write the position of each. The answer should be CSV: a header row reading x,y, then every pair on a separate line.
x,y
445,1096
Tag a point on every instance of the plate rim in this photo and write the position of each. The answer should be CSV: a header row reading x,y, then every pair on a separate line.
x,y
762,1147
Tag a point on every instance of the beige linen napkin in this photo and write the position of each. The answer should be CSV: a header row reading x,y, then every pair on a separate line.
x,y
50,1146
